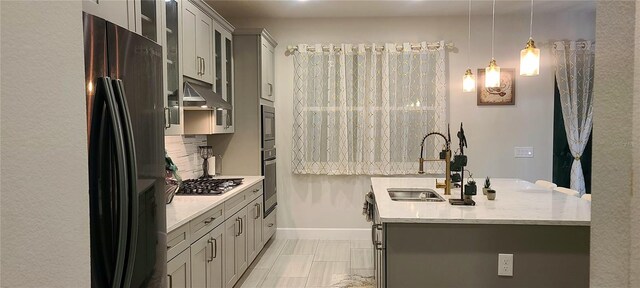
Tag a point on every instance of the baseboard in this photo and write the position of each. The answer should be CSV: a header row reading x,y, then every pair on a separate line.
x,y
324,233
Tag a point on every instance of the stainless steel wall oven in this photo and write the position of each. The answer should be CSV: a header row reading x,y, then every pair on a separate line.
x,y
269,158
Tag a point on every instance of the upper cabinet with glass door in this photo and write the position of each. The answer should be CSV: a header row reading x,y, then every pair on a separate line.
x,y
223,119
140,16
172,69
148,19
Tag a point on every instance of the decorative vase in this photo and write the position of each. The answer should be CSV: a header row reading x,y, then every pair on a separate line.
x,y
491,194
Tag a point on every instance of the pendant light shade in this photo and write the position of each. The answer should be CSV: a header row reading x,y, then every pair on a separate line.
x,y
530,60
530,55
492,72
468,81
492,75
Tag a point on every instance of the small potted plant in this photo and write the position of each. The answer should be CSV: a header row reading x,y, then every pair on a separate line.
x,y
491,194
487,186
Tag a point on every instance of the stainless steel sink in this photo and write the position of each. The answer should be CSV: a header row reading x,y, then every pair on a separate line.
x,y
414,195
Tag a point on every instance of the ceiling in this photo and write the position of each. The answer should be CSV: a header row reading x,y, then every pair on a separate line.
x,y
381,8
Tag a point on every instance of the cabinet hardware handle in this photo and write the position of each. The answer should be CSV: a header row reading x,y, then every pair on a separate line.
x,y
209,221
201,66
215,249
373,234
270,89
170,281
256,190
198,64
168,247
241,226
238,221
257,211
211,246
204,66
270,225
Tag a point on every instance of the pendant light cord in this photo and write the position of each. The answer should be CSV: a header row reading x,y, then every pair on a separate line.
x,y
469,39
493,27
531,23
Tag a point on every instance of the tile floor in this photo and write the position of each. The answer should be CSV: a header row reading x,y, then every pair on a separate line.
x,y
299,263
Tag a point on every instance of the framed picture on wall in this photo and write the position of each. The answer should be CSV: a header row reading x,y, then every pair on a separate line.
x,y
503,95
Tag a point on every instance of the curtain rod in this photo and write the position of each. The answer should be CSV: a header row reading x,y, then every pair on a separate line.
x,y
414,46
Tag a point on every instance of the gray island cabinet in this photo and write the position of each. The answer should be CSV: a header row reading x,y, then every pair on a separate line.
x,y
434,244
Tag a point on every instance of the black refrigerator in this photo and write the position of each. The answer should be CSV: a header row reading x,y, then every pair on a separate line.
x,y
123,83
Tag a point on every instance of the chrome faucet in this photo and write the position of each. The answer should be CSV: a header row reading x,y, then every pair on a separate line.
x,y
445,156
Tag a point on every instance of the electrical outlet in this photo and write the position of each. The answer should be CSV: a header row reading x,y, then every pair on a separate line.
x,y
523,152
505,264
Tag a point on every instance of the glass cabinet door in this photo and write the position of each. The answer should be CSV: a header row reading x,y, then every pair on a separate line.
x,y
229,82
219,114
149,19
172,65
223,119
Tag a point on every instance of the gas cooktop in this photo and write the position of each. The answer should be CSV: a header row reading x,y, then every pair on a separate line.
x,y
208,186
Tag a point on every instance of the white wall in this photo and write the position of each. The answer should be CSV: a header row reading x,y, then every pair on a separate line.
x,y
45,201
615,228
492,132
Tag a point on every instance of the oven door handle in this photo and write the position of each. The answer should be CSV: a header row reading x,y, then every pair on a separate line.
x,y
269,162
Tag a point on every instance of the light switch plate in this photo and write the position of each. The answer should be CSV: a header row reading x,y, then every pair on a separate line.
x,y
505,264
523,152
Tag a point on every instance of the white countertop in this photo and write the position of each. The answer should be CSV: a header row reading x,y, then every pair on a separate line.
x,y
517,202
184,208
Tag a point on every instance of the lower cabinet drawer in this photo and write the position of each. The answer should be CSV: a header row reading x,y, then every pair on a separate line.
x,y
204,223
269,226
236,203
255,191
178,240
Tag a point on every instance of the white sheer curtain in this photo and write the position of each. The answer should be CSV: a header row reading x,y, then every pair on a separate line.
x,y
574,73
364,111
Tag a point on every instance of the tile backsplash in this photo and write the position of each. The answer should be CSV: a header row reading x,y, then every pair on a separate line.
x,y
183,150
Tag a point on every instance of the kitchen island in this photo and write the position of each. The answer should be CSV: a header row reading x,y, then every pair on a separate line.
x,y
435,244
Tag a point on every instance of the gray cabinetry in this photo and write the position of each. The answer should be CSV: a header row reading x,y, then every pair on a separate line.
x,y
254,228
206,260
179,271
197,43
215,248
235,247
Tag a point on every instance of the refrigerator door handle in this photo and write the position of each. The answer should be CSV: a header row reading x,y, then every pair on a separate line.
x,y
132,192
121,174
100,224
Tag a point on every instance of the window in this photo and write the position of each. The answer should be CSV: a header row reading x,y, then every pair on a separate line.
x,y
361,110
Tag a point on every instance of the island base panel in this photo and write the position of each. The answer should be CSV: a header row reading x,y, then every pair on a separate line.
x,y
466,255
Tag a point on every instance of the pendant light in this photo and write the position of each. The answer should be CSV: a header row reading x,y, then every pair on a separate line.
x,y
492,72
469,80
530,55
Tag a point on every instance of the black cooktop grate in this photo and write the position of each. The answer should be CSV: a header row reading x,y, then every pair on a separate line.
x,y
208,186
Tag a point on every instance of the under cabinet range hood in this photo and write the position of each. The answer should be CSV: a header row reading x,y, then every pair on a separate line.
x,y
199,95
